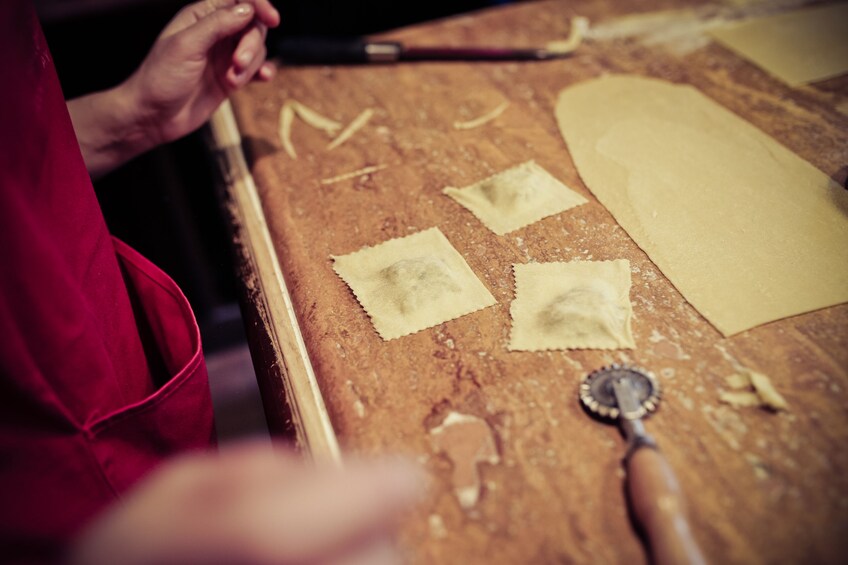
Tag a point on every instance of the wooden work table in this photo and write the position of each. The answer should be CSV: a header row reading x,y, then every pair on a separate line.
x,y
762,487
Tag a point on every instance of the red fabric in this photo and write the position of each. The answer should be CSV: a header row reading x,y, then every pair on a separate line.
x,y
84,336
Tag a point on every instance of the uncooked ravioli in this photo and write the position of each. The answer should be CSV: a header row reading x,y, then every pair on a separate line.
x,y
516,197
577,305
412,283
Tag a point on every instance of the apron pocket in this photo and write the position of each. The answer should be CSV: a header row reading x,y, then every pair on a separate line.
x,y
130,441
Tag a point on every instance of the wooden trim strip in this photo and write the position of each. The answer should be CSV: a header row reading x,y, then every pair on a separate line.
x,y
309,414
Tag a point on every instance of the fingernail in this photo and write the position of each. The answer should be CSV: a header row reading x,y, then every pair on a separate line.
x,y
245,57
243,10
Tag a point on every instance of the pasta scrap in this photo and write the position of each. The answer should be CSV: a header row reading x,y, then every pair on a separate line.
x,y
759,391
482,120
353,174
286,120
316,120
354,126
579,27
292,108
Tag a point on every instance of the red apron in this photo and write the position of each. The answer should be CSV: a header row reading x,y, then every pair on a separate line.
x,y
101,371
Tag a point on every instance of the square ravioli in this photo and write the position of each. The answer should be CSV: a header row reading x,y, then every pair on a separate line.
x,y
516,197
577,305
411,283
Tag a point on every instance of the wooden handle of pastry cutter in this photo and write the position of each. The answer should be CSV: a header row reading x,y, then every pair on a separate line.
x,y
659,507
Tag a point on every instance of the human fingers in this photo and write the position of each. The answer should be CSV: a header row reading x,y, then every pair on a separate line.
x,y
265,11
249,45
258,454
266,71
380,551
220,24
181,512
330,510
236,78
253,504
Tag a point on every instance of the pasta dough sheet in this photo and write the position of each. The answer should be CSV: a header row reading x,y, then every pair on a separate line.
x,y
516,197
745,229
797,47
577,305
412,283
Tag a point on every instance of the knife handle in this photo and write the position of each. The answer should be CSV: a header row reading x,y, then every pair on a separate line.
x,y
308,50
660,509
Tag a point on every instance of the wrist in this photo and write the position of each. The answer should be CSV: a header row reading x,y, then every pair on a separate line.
x,y
111,128
143,114
132,128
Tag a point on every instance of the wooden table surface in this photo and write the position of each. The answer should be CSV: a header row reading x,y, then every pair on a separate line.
x,y
762,487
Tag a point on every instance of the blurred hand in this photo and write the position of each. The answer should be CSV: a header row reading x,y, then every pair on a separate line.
x,y
254,505
208,50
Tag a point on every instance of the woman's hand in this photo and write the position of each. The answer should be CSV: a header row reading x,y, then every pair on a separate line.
x,y
208,50
255,505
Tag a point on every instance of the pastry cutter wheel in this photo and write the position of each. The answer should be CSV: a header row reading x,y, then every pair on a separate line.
x,y
624,394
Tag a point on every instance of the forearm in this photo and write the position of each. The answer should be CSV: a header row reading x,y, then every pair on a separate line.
x,y
108,129
190,70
